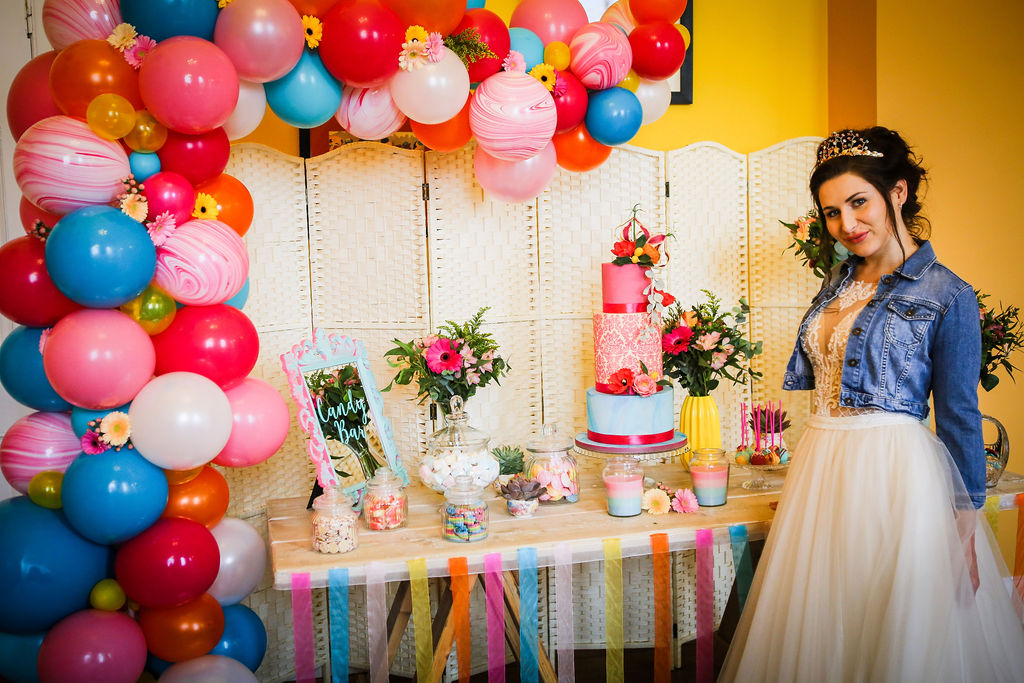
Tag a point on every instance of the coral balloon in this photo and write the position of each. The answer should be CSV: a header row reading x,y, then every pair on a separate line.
x,y
44,489
307,96
37,443
30,213
658,50
68,21
656,10
199,157
493,33
22,374
203,499
551,20
234,203
248,113
620,15
61,165
571,104
449,135
110,116
202,263
515,181
433,93
314,8
655,97
361,43
369,113
163,19
259,423
243,557
218,342
577,151
98,358
264,38
171,563
600,55
28,295
89,68
209,668
441,16
29,99
148,134
169,191
153,310
512,116
191,630
193,70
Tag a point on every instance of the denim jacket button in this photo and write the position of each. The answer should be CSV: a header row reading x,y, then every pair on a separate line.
x,y
852,362
870,304
910,311
856,332
887,280
848,401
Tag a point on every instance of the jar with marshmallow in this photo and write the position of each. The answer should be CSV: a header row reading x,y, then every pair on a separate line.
x,y
458,449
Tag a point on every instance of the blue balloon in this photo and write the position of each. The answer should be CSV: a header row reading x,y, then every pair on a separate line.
x,y
306,96
613,116
161,19
238,300
46,569
21,371
99,257
528,43
18,656
143,164
80,417
110,497
245,637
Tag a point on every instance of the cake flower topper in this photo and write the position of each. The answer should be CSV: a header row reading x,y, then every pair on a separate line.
x,y
638,246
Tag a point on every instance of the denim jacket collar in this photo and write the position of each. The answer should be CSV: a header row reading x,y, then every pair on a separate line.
x,y
913,268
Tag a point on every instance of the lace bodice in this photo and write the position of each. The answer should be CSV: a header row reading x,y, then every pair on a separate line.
x,y
825,341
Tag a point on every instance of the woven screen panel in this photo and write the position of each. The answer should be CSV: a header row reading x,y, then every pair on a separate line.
x,y
568,372
779,326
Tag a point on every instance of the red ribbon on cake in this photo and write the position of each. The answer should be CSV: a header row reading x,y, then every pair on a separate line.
x,y
625,308
606,388
620,440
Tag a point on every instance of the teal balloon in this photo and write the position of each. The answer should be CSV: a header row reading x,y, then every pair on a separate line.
x,y
162,19
22,374
80,417
528,44
143,164
18,654
238,300
307,96
244,638
474,4
613,116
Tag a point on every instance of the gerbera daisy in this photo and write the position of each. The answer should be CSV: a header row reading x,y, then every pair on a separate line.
x,y
314,31
161,227
545,73
135,206
560,85
92,444
656,502
412,56
442,357
434,47
206,207
223,3
684,501
115,428
137,52
514,62
122,37
677,341
416,34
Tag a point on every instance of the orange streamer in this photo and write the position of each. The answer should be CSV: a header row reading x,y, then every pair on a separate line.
x,y
662,609
1018,558
459,571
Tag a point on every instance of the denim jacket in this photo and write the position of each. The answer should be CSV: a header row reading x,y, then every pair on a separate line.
x,y
918,335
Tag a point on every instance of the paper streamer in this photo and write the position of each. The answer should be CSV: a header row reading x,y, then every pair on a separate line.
x,y
566,647
302,628
458,570
741,561
422,626
705,606
992,513
495,618
614,672
377,622
528,638
337,599
662,609
1018,557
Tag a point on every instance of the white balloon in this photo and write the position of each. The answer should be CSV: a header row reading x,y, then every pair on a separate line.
x,y
433,93
180,420
208,669
243,557
654,96
248,113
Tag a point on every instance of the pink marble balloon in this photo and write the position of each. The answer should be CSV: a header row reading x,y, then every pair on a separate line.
x,y
600,55
61,165
512,116
37,443
68,21
369,113
620,15
202,263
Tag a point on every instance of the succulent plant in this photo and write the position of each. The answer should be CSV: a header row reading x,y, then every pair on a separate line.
x,y
521,488
510,458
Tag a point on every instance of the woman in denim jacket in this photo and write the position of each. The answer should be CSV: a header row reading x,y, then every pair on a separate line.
x,y
873,570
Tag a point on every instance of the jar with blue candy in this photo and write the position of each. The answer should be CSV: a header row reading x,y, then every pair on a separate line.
x,y
464,515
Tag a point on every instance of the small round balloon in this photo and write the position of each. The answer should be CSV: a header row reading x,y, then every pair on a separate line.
x,y
218,342
89,68
202,263
107,595
28,295
21,371
199,157
307,96
613,116
93,645
245,637
153,309
110,116
263,38
512,116
435,92
29,99
143,165
171,563
38,443
515,181
243,557
68,21
557,55
600,55
148,134
259,426
44,489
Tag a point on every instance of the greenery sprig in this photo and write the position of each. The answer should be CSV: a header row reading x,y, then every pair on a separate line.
x,y
469,46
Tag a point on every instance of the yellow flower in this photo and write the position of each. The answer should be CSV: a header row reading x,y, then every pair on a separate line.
x,y
545,73
637,253
416,33
123,37
115,429
656,502
206,207
223,3
314,30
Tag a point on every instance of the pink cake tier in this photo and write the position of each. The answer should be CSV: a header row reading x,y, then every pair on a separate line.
x,y
622,340
622,288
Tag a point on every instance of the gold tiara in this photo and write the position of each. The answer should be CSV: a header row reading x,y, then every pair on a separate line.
x,y
844,143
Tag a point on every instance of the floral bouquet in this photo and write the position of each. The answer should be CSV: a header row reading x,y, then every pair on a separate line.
x,y
1000,336
808,233
700,346
456,361
340,402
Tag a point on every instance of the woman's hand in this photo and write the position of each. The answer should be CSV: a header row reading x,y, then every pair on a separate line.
x,y
972,562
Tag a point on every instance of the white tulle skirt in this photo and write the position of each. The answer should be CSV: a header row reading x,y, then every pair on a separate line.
x,y
863,576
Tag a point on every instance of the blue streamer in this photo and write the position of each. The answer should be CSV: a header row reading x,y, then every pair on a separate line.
x,y
528,639
338,616
741,561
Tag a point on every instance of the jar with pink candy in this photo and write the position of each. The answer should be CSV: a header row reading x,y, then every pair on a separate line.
x,y
624,484
710,471
385,505
553,466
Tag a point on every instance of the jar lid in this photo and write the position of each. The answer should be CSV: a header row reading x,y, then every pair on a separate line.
x,y
549,440
464,490
457,433
622,463
705,454
333,501
384,479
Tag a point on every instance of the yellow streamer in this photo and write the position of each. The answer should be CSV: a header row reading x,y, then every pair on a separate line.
x,y
613,610
421,619
992,513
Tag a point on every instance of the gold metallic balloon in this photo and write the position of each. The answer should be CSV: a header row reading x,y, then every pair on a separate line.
x,y
107,595
153,310
148,135
631,81
44,489
110,116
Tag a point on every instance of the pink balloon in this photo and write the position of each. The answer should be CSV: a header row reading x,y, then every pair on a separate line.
x,y
571,105
620,15
259,424
515,181
98,358
512,116
36,443
61,165
68,21
202,263
369,113
263,38
93,645
600,55
189,84
170,191
551,20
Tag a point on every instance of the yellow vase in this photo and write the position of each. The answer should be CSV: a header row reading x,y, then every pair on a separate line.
x,y
699,421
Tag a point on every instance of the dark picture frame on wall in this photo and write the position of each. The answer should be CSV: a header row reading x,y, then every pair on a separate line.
x,y
682,84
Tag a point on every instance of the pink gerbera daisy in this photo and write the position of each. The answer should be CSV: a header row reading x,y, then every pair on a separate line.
x,y
92,444
684,501
161,227
136,54
514,62
677,341
434,48
442,356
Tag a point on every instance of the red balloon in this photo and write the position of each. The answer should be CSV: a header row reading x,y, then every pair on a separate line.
x,y
169,564
170,191
448,136
361,43
578,151
658,50
30,213
218,342
197,157
571,105
27,294
185,632
203,498
234,203
494,33
441,16
29,99
88,68
645,11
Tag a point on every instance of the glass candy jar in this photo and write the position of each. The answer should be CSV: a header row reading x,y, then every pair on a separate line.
x,y
334,522
553,466
709,469
464,516
455,450
624,485
385,505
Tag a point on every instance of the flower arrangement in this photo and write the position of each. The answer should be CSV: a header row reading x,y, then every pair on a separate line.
x,y
112,431
340,402
661,500
700,346
456,361
643,383
808,233
1000,336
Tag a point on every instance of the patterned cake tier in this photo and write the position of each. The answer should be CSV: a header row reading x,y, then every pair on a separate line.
x,y
622,288
633,420
623,340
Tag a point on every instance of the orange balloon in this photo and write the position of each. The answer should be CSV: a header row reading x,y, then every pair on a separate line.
x,y
88,68
179,633
437,15
203,499
315,8
180,477
234,203
577,151
447,136
646,11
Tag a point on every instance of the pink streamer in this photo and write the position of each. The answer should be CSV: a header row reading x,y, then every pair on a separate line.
x,y
377,622
302,628
564,617
495,618
705,606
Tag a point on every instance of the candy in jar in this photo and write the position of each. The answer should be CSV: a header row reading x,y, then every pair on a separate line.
x,y
455,450
464,516
334,522
385,505
553,466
